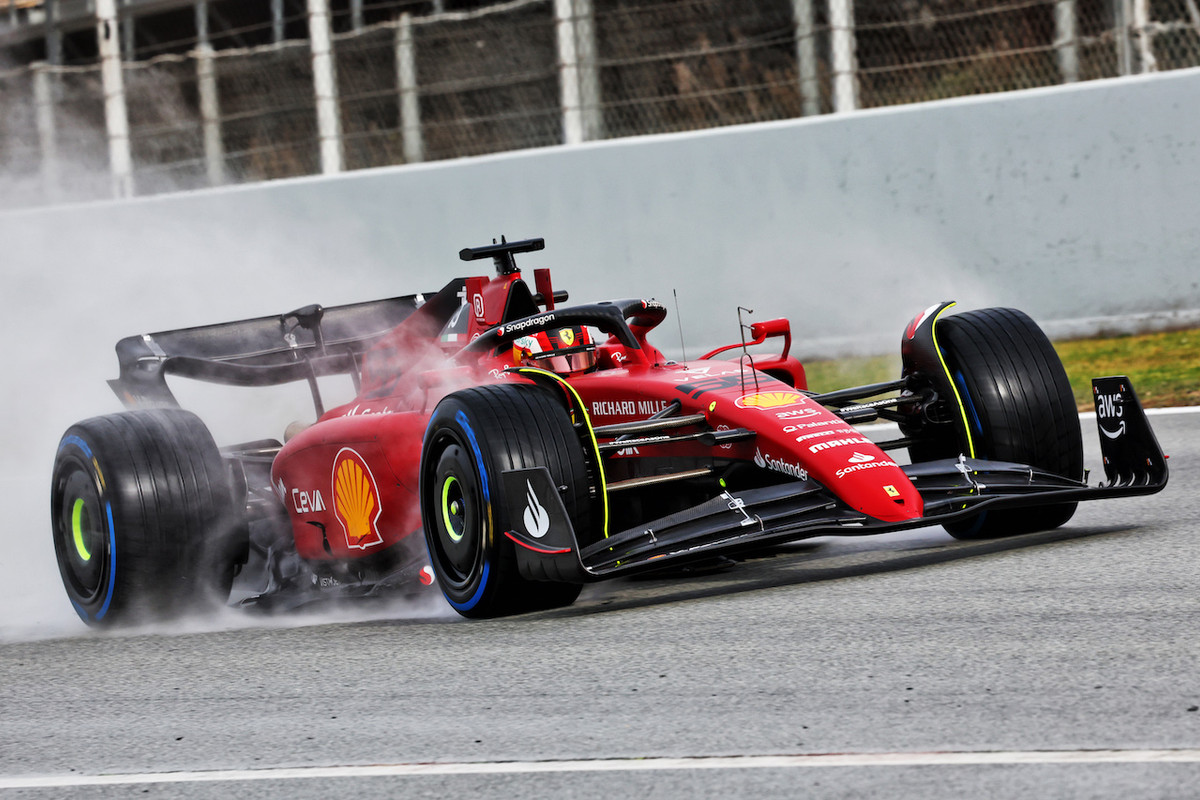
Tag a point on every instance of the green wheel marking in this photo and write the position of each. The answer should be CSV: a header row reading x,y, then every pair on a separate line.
x,y
77,512
450,510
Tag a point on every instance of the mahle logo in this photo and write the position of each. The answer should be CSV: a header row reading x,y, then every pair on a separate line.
x,y
356,499
832,443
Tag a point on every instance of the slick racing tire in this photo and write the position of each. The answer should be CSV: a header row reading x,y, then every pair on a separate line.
x,y
473,436
143,518
1017,405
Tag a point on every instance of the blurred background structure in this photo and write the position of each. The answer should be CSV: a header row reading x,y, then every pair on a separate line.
x,y
137,97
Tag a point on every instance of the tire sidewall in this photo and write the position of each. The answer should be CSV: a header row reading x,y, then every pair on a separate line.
x,y
451,426
77,457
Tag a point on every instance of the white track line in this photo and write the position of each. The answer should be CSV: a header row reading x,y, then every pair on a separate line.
x,y
952,758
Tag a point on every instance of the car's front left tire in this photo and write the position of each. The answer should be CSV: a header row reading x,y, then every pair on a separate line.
x,y
472,438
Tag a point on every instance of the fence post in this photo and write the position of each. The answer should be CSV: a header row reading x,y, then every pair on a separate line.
x,y
54,35
1145,38
202,23
568,72
410,98
579,74
277,30
356,15
806,55
589,70
210,114
1121,15
128,42
329,121
116,116
1193,11
43,100
842,43
1066,41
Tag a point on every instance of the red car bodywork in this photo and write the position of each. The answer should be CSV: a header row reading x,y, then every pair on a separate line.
x,y
350,482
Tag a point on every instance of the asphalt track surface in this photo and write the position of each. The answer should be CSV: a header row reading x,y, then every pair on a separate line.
x,y
1059,664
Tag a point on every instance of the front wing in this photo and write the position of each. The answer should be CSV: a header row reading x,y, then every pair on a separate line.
x,y
953,490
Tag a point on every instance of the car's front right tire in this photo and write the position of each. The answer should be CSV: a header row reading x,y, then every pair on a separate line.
x,y
1014,403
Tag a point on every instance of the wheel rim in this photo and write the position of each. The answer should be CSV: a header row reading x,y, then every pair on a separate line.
x,y
82,534
453,509
458,544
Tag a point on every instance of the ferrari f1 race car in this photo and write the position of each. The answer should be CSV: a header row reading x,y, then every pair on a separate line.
x,y
509,449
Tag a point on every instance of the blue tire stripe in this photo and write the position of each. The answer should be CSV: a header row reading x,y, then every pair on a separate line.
x,y
461,419
112,538
962,384
112,562
75,440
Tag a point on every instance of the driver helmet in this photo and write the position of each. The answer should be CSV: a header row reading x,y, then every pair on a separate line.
x,y
566,351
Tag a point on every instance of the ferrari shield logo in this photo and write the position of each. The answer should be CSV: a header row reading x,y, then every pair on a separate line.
x,y
567,336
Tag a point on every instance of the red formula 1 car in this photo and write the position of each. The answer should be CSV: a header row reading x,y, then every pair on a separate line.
x,y
509,450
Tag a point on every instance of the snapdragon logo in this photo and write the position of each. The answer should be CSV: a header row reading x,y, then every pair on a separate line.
x,y
531,322
766,462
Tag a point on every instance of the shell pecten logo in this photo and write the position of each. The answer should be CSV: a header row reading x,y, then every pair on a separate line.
x,y
768,400
356,499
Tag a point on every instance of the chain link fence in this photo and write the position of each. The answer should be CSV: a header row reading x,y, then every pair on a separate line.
x,y
412,81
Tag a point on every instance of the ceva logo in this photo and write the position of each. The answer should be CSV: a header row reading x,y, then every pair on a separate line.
x,y
356,499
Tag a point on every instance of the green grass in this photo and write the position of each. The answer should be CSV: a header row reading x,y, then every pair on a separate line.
x,y
1164,367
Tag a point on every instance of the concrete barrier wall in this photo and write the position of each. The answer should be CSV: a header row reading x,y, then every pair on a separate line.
x,y
1072,202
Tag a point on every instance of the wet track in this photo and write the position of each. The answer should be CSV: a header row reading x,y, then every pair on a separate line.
x,y
1061,664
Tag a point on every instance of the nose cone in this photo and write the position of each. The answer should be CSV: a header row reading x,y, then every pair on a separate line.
x,y
878,487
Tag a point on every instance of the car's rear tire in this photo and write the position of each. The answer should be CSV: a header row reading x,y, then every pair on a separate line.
x,y
143,517
1018,406
473,436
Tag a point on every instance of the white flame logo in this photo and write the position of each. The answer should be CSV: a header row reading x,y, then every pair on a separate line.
x,y
860,458
537,520
759,461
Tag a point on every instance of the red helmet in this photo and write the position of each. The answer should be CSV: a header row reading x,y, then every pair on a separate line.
x,y
567,351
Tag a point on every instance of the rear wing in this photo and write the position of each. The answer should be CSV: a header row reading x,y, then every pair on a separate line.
x,y
301,345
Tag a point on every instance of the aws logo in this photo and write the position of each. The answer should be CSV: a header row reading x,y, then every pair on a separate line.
x,y
356,499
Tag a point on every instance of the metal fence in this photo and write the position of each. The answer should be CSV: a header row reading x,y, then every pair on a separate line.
x,y
307,87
